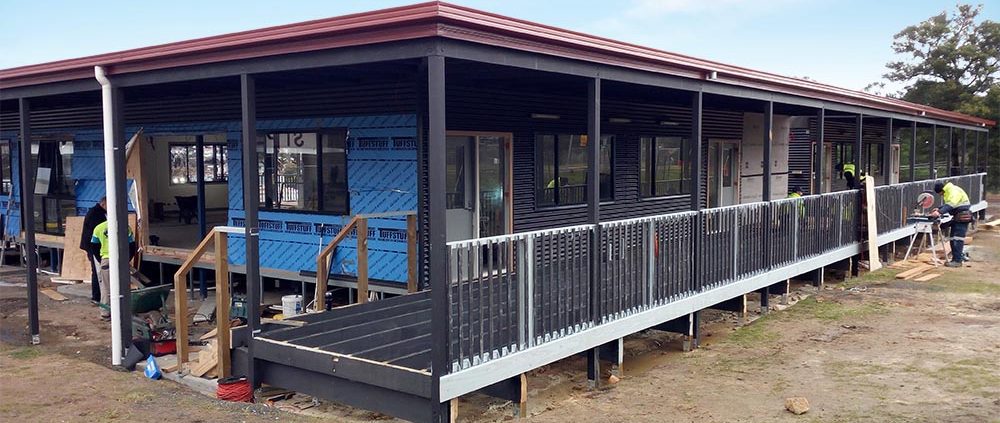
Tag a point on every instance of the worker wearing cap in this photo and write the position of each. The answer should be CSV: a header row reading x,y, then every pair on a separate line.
x,y
99,237
956,203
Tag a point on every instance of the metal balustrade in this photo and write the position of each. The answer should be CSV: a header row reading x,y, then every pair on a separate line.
x,y
513,292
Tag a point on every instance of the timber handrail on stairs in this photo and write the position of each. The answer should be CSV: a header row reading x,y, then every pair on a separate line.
x,y
219,237
359,223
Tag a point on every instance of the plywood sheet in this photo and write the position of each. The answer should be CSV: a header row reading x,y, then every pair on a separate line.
x,y
75,264
873,260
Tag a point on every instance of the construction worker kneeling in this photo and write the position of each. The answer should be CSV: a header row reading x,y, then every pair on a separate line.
x,y
956,203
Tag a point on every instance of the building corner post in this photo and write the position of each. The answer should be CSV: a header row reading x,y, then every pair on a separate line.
x,y
438,254
594,216
27,209
251,231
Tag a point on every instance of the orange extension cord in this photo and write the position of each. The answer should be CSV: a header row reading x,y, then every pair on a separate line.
x,y
235,389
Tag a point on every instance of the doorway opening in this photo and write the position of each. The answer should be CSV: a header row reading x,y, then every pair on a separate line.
x,y
723,172
479,179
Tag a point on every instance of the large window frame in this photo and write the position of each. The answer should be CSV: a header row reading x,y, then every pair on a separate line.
x,y
563,182
219,163
328,172
56,199
655,181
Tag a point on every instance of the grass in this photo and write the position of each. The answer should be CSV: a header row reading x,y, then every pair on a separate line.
x,y
878,277
971,375
25,353
833,311
754,335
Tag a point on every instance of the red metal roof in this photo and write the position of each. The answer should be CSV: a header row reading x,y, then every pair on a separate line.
x,y
457,22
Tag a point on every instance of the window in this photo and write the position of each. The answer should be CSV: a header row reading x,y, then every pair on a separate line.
x,y
663,169
873,160
184,164
6,178
304,171
53,162
562,169
456,174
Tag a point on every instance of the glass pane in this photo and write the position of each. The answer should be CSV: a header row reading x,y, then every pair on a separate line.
x,y
714,151
5,170
607,179
335,194
669,173
572,169
455,171
294,157
178,164
491,183
727,166
645,146
547,180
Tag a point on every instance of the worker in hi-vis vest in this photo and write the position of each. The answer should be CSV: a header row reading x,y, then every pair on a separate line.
x,y
956,203
850,175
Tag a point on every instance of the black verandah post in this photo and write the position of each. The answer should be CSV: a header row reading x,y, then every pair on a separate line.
x,y
438,268
27,222
933,174
199,143
859,146
121,212
859,168
913,153
593,216
951,151
697,202
766,197
820,150
963,152
975,152
251,232
887,154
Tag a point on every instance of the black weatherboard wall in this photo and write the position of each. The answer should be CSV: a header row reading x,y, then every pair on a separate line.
x,y
506,108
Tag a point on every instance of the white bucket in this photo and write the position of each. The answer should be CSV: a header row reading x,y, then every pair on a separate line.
x,y
291,305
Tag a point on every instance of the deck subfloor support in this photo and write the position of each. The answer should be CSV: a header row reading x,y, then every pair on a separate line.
x,y
593,367
819,277
781,288
765,299
514,389
737,305
686,325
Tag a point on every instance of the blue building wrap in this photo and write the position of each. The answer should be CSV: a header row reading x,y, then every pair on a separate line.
x,y
381,177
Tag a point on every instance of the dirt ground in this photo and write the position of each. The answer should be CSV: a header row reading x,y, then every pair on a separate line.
x,y
867,349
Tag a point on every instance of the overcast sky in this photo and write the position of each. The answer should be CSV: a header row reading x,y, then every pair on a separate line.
x,y
841,42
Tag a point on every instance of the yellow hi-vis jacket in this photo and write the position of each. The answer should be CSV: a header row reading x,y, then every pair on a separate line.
x,y
849,168
954,197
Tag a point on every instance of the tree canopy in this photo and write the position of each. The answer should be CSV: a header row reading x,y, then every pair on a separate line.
x,y
950,61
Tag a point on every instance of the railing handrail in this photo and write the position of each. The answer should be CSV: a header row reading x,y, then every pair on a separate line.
x,y
544,278
324,262
359,222
519,235
219,235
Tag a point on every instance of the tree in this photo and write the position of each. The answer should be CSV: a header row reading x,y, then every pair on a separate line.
x,y
952,62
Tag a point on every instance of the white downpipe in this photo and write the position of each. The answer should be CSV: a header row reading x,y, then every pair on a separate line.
x,y
111,188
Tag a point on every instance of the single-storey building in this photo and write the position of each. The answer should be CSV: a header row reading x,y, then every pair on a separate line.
x,y
527,193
